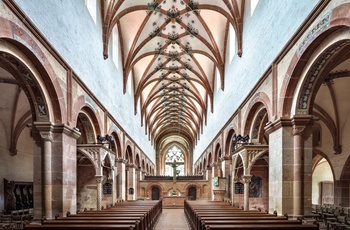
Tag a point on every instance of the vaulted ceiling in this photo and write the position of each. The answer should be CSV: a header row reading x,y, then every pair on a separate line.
x,y
174,51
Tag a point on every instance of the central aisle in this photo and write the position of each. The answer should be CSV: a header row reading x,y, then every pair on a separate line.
x,y
172,219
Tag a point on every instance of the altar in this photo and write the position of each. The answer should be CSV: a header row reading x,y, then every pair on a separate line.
x,y
175,201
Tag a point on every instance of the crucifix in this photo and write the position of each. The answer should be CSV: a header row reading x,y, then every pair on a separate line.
x,y
174,165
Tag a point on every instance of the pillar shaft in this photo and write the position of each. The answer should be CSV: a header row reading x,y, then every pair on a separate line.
x,y
302,163
99,179
121,181
48,176
298,168
246,180
131,182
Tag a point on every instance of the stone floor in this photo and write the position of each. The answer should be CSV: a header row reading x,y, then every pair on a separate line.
x,y
172,219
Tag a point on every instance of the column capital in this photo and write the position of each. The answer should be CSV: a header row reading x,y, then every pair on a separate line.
x,y
247,179
120,160
225,158
62,128
131,166
277,124
99,178
300,124
45,130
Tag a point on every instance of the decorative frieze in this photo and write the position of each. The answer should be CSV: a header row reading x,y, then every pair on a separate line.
x,y
316,30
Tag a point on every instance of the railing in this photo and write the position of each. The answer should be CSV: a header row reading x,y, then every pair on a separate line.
x,y
188,177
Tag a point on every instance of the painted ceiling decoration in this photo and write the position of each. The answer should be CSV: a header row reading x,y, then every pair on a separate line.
x,y
174,51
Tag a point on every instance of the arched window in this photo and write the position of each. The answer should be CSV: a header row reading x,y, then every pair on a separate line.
x,y
172,158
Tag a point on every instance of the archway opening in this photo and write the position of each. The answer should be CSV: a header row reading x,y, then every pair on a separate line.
x,y
322,183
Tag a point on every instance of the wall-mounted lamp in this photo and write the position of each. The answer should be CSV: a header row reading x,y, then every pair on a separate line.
x,y
105,140
239,140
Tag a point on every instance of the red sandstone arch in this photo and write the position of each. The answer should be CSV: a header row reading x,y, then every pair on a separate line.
x,y
228,142
317,152
218,153
39,61
81,105
117,146
253,109
137,160
151,185
88,112
143,165
339,20
196,185
204,164
129,155
210,160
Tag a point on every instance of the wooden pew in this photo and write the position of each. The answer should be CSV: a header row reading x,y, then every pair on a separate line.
x,y
81,227
212,215
137,217
264,226
205,223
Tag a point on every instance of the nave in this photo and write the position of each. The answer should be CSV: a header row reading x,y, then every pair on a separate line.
x,y
190,115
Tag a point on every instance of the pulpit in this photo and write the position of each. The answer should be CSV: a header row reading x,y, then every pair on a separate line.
x,y
219,188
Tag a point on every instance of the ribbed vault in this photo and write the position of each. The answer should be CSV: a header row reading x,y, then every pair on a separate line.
x,y
174,50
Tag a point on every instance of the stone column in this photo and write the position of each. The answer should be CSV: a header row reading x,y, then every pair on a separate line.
x,y
55,169
131,182
246,181
47,139
138,179
45,131
226,165
214,171
234,197
99,180
280,166
300,126
143,174
210,181
234,180
121,182
114,184
297,184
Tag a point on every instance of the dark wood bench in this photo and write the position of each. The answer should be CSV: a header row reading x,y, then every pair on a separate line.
x,y
81,226
264,226
205,223
69,222
142,217
340,222
218,216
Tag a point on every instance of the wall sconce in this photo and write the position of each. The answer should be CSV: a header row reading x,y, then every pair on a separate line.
x,y
105,140
239,140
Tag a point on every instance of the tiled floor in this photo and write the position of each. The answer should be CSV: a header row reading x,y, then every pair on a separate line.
x,y
172,219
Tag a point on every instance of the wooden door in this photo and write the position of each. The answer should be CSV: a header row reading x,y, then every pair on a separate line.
x,y
155,193
192,192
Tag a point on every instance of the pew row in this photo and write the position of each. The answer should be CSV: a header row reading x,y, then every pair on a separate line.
x,y
142,216
220,215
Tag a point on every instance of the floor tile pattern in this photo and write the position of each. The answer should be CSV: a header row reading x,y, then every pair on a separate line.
x,y
172,219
